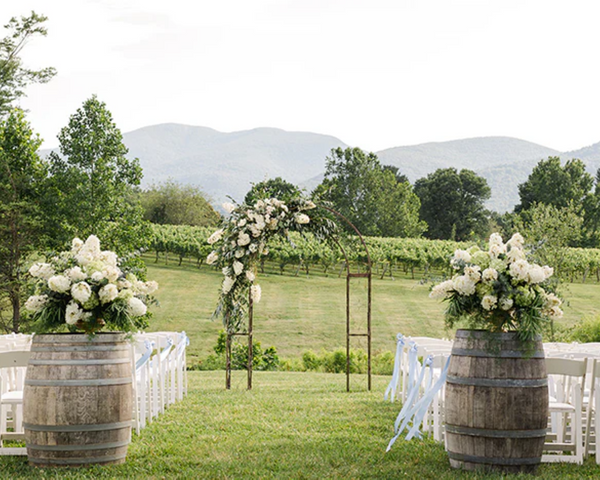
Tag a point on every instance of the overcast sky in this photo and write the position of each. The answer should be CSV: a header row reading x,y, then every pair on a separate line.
x,y
374,73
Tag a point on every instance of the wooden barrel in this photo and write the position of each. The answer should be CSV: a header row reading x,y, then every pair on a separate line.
x,y
77,400
496,402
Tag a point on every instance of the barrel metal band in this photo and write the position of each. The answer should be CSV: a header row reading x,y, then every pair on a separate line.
x,y
103,361
493,460
76,461
483,432
79,448
79,383
498,382
80,348
96,427
465,352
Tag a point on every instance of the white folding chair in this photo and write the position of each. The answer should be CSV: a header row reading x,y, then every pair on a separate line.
x,y
12,376
566,380
141,353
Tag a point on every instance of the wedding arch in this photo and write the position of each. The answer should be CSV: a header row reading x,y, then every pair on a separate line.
x,y
243,240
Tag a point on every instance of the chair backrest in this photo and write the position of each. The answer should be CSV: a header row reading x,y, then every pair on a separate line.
x,y
14,358
566,366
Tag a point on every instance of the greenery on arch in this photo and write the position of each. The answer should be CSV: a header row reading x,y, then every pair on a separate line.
x,y
243,239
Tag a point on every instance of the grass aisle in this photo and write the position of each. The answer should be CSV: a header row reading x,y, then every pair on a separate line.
x,y
292,425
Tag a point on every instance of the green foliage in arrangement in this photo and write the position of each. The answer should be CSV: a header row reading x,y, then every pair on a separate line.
x,y
14,77
22,175
452,204
375,198
92,183
173,203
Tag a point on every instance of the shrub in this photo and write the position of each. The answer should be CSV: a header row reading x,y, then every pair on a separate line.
x,y
586,330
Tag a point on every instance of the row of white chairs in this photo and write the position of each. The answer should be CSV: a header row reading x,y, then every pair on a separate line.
x,y
574,388
159,362
158,372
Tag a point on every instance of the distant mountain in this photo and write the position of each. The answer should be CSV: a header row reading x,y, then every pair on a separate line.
x,y
503,161
226,164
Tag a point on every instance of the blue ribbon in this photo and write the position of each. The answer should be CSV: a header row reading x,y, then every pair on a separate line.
x,y
393,386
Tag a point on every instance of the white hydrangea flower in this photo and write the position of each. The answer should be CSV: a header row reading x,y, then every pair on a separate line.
x,y
272,225
215,237
519,269
73,313
495,239
76,274
536,274
81,292
255,293
111,273
552,301
84,257
151,287
464,285
496,250
238,268
242,223
109,258
123,284
212,258
548,271
253,247
458,256
489,302
243,239
228,207
97,276
506,303
136,307
108,293
35,303
441,290
473,272
228,283
59,283
239,253
41,270
490,275
250,276
302,218
515,254
516,241
76,245
555,312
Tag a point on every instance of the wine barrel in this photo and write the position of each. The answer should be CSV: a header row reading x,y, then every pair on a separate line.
x,y
77,400
496,402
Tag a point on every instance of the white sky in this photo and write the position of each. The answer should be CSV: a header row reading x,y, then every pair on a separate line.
x,y
375,73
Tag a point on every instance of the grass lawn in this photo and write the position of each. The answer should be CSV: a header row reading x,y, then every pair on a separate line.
x,y
292,425
308,313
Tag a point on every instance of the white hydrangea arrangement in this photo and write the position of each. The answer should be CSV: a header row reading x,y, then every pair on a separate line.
x,y
499,289
243,240
85,289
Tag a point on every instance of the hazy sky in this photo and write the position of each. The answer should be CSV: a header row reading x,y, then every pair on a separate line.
x,y
375,73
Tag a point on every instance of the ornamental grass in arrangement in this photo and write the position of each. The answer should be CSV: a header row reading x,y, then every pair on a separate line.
x,y
499,289
85,289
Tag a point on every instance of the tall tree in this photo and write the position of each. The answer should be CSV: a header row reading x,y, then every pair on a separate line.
x,y
552,184
93,182
172,203
14,77
591,217
370,195
22,174
452,204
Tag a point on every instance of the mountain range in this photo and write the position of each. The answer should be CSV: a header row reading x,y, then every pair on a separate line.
x,y
226,164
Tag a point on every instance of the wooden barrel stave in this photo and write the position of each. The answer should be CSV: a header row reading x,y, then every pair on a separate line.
x,y
78,400
496,403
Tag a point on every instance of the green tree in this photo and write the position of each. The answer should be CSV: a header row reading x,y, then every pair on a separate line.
x,y
452,204
14,77
22,175
272,188
93,183
591,217
553,184
370,195
551,230
171,203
